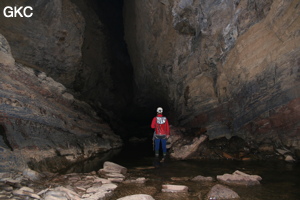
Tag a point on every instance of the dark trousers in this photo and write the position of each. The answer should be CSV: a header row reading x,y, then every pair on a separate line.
x,y
163,142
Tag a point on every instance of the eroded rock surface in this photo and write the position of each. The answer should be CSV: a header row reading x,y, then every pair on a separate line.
x,y
50,40
240,178
231,67
40,120
222,192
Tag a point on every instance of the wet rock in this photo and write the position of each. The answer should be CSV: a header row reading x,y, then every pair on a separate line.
x,y
182,150
137,180
56,195
202,178
95,193
110,167
115,177
174,188
63,192
32,175
137,197
26,192
239,178
12,182
221,192
289,158
180,178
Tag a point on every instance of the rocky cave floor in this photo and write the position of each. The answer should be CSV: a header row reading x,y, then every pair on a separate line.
x,y
114,181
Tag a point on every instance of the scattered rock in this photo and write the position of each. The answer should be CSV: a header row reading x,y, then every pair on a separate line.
x,y
240,178
110,167
26,191
174,188
137,197
221,192
185,150
138,180
180,178
202,178
283,151
32,175
289,158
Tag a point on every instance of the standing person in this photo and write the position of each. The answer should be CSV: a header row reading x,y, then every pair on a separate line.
x,y
161,128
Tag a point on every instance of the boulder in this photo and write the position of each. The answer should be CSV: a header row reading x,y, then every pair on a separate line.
x,y
184,150
137,197
95,193
110,167
289,158
239,178
137,180
32,175
174,188
202,178
221,192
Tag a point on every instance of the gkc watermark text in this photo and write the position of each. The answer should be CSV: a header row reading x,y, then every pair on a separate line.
x,y
15,11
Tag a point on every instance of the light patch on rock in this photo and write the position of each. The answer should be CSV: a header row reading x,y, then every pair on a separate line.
x,y
174,188
6,57
240,178
202,178
221,192
137,197
32,175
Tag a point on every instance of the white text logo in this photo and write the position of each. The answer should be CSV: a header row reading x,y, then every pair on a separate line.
x,y
18,11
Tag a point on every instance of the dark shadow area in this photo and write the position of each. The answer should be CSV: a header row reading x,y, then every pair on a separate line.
x,y
4,137
134,116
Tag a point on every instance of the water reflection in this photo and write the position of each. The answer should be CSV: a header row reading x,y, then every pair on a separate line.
x,y
280,180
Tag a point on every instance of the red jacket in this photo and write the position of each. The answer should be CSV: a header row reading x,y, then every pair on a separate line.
x,y
161,125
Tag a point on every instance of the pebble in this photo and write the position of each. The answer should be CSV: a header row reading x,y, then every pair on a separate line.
x,y
88,186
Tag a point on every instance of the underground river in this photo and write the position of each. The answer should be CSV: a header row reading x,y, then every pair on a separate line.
x,y
280,180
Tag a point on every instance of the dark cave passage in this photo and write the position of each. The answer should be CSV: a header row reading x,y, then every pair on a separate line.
x,y
131,117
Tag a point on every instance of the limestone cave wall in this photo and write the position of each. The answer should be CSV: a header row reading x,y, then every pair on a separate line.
x,y
57,89
226,67
223,68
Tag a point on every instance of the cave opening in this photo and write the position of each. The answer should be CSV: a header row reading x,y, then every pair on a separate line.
x,y
131,114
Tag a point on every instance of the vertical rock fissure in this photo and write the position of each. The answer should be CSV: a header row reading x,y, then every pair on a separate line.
x,y
4,137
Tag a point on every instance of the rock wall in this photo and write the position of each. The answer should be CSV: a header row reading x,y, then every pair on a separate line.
x,y
50,40
40,121
230,67
70,43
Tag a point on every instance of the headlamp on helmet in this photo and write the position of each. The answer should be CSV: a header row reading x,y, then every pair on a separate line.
x,y
159,110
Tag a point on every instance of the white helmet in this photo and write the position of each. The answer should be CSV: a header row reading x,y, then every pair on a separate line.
x,y
159,110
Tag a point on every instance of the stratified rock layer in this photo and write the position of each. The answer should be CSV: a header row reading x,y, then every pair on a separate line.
x,y
50,40
39,120
230,67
